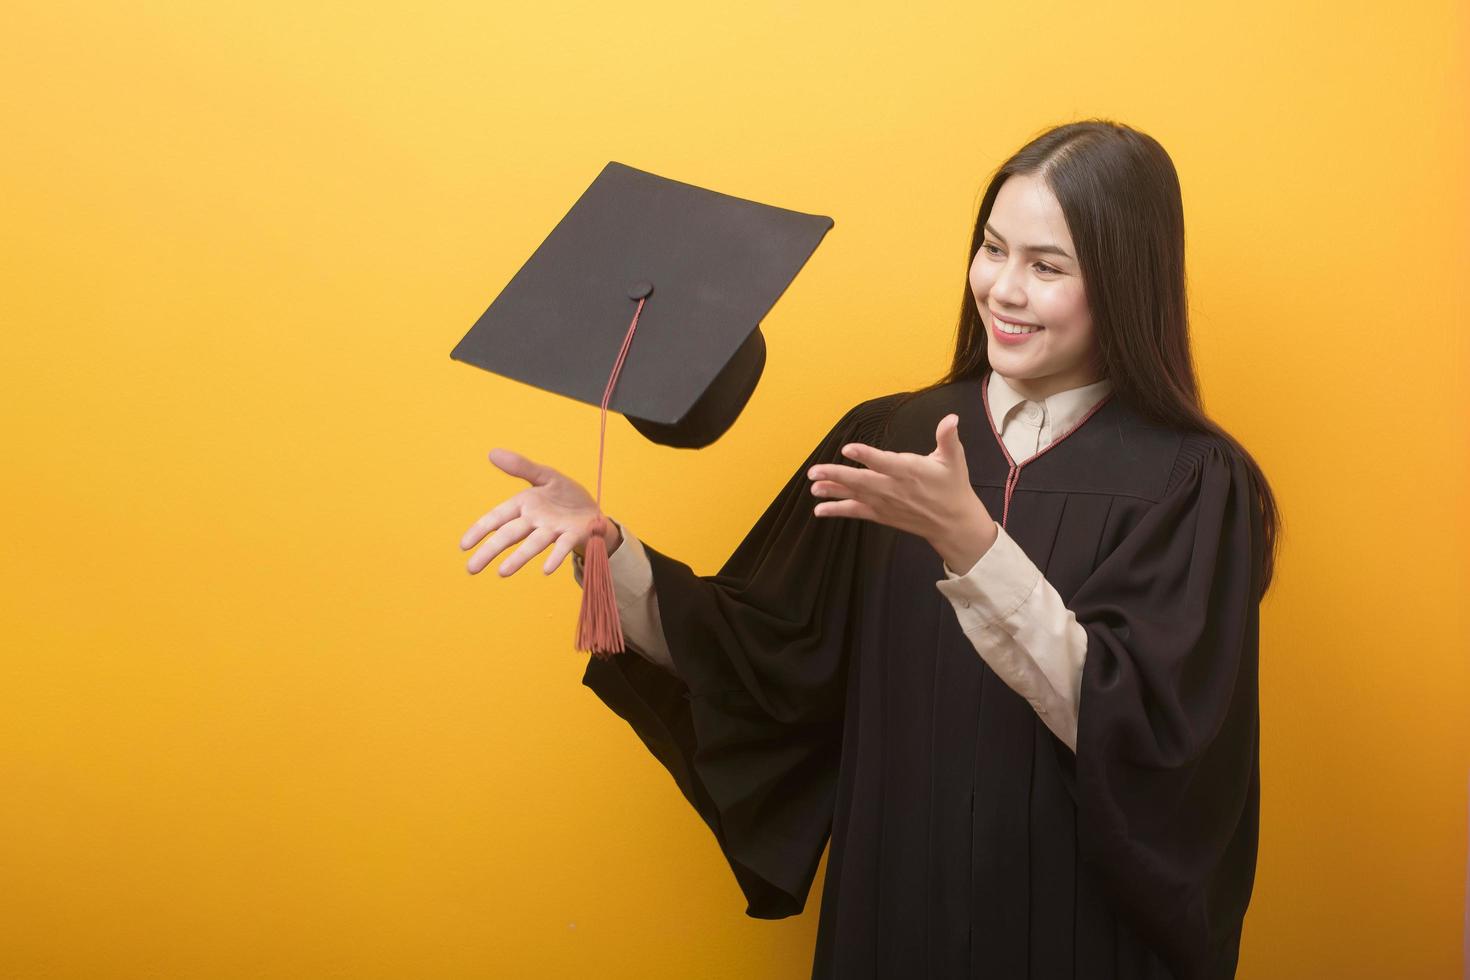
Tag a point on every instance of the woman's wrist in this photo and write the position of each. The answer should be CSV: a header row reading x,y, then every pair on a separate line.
x,y
612,537
964,544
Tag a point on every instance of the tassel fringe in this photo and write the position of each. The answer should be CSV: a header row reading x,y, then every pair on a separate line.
x,y
599,629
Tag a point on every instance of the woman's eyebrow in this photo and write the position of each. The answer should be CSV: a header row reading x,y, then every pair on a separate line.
x,y
1053,249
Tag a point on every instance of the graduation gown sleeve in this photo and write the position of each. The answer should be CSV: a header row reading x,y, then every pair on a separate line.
x,y
1167,762
750,723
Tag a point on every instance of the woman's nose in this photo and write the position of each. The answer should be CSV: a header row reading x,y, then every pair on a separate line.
x,y
1007,287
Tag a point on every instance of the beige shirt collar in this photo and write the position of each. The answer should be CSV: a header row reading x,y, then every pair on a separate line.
x,y
1062,410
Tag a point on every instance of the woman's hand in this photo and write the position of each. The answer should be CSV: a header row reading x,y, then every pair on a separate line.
x,y
929,496
554,508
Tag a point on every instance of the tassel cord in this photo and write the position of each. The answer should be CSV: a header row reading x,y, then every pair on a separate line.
x,y
599,629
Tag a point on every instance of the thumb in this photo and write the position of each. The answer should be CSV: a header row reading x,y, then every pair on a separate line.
x,y
947,437
517,465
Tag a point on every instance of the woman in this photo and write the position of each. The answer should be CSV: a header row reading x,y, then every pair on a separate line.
x,y
1046,764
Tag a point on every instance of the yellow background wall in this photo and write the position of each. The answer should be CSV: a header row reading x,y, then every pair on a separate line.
x,y
257,720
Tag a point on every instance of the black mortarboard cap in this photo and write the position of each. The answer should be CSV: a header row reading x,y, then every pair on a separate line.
x,y
646,300
709,265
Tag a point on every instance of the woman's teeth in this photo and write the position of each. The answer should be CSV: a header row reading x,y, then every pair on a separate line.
x,y
1008,328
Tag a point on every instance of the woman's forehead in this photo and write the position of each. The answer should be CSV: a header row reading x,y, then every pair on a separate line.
x,y
1027,216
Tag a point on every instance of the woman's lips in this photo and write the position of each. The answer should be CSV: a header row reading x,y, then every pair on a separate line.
x,y
1012,320
1010,338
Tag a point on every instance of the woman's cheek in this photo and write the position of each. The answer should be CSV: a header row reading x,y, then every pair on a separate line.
x,y
980,286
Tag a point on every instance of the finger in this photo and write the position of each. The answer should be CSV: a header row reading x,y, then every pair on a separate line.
x,y
864,482
491,521
517,465
498,542
877,459
535,544
845,508
564,546
830,489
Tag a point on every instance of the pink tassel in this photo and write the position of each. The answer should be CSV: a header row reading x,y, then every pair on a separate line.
x,y
599,630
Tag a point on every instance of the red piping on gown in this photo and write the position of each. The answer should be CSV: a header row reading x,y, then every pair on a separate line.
x,y
1013,475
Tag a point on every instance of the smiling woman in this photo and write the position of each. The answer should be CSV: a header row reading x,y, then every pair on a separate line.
x,y
1029,292
1053,772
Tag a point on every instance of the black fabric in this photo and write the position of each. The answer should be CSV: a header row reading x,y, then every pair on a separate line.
x,y
825,688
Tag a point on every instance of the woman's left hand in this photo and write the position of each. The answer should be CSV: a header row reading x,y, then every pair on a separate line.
x,y
929,496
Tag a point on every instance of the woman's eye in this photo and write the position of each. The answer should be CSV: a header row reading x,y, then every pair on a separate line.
x,y
992,249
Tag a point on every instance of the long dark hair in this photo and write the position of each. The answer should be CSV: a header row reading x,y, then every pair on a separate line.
x,y
1120,195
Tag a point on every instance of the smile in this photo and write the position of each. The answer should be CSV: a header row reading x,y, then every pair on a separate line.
x,y
1010,334
1012,328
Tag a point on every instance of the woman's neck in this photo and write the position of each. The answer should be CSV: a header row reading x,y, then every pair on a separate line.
x,y
1038,389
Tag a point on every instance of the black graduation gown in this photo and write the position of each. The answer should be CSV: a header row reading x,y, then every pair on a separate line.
x,y
825,687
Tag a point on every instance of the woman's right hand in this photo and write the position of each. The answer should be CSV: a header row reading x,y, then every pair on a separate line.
x,y
554,508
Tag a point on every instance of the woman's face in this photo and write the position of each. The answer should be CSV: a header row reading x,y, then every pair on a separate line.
x,y
1026,271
